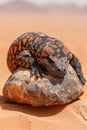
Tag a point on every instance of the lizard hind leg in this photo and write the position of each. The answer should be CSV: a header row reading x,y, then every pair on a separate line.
x,y
77,67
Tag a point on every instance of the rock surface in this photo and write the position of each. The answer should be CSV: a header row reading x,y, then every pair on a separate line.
x,y
47,91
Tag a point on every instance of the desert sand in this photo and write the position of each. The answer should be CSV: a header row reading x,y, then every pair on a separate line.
x,y
72,30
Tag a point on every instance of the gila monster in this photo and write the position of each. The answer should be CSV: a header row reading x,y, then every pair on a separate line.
x,y
42,55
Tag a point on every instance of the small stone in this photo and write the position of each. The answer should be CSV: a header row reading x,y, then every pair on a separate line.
x,y
82,109
46,91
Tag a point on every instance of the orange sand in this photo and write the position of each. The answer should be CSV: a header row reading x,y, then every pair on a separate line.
x,y
72,30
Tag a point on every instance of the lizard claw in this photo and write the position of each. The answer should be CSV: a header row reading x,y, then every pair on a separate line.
x,y
37,70
83,80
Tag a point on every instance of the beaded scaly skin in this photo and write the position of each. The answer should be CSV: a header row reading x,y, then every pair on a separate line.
x,y
42,54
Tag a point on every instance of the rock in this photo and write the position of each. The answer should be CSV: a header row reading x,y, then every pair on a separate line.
x,y
24,89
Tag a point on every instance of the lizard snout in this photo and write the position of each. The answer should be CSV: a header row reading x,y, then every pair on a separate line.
x,y
62,70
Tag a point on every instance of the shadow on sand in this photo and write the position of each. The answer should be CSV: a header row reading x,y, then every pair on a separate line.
x,y
28,109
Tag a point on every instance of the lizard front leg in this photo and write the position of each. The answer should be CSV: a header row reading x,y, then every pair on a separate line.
x,y
26,60
74,61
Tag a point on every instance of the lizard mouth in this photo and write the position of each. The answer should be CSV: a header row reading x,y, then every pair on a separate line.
x,y
57,73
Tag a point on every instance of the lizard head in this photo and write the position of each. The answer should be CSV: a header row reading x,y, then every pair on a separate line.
x,y
54,60
56,66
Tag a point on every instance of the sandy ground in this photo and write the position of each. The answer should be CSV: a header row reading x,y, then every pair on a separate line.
x,y
72,30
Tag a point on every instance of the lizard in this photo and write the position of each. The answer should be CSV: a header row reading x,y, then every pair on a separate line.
x,y
42,54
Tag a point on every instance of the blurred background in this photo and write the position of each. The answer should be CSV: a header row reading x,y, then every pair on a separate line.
x,y
63,19
54,17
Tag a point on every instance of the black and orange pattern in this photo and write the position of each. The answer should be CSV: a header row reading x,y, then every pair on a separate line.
x,y
30,49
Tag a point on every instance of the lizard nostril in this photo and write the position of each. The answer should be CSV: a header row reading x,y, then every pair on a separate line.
x,y
64,70
61,69
58,69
